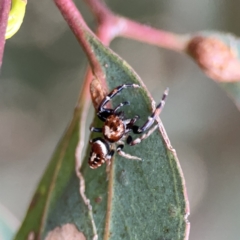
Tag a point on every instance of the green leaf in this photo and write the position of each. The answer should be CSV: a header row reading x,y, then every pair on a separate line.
x,y
138,200
53,184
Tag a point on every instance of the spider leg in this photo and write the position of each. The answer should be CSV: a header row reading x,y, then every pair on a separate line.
x,y
121,142
132,142
126,155
129,123
109,157
93,129
103,113
120,105
152,118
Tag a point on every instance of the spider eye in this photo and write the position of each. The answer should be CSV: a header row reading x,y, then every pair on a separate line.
x,y
93,163
97,159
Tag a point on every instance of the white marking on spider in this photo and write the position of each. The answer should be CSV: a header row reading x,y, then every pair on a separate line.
x,y
136,86
108,132
138,140
93,156
103,147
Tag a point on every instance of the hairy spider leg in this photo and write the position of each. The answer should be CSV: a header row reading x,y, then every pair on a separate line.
x,y
130,123
152,118
126,155
103,113
94,129
148,123
132,142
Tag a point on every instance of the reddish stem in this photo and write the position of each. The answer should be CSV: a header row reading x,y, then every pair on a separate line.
x,y
99,10
110,26
4,12
120,26
153,36
81,31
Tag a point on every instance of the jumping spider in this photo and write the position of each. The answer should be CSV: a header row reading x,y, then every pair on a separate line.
x,y
116,129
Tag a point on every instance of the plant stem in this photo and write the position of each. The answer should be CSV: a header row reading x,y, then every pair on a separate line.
x,y
76,22
143,33
4,12
99,10
120,26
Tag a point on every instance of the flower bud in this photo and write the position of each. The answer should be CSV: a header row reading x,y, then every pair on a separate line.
x,y
217,59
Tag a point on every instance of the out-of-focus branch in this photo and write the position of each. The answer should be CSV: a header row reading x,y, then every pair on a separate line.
x,y
144,33
100,10
216,58
120,26
4,12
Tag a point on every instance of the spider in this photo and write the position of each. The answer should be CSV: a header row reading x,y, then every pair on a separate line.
x,y
116,129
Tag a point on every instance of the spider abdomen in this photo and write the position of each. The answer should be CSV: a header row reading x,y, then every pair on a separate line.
x,y
113,128
98,153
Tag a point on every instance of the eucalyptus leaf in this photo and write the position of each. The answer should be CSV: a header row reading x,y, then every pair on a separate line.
x,y
137,200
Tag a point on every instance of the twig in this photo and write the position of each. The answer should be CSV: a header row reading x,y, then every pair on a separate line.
x,y
76,22
100,10
143,33
120,26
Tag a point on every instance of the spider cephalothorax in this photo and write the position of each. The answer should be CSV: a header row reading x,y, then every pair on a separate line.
x,y
116,129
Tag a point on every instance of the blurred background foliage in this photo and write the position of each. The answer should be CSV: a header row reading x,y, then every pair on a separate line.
x,y
42,72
